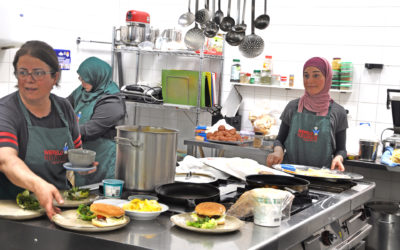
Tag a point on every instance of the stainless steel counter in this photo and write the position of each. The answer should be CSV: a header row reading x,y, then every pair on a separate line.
x,y
162,234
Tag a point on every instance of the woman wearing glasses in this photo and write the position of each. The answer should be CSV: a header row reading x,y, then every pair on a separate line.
x,y
36,128
100,108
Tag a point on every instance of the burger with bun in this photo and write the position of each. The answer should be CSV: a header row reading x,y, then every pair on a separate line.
x,y
107,215
208,215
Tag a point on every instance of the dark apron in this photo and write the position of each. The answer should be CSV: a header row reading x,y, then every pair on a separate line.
x,y
105,149
45,153
309,140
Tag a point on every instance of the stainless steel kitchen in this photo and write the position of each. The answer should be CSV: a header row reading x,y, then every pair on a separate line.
x,y
202,124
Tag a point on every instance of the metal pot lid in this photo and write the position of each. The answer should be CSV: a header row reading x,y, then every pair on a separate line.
x,y
394,138
193,177
384,207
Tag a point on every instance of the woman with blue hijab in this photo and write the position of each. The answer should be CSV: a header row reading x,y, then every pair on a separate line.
x,y
99,108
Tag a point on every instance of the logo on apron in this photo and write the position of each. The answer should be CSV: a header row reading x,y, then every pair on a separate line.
x,y
308,136
55,156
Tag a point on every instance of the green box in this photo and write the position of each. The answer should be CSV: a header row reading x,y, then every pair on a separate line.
x,y
180,86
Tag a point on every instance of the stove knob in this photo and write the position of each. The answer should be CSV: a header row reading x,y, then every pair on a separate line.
x,y
327,238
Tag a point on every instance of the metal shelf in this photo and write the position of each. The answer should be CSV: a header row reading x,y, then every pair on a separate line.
x,y
187,53
168,106
282,87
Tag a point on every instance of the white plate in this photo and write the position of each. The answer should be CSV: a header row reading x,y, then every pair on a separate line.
x,y
115,202
69,166
69,219
136,215
9,209
231,224
75,203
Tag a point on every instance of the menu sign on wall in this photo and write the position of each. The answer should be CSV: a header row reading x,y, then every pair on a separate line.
x,y
64,58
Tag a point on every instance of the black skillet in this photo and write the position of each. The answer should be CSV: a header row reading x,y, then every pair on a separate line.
x,y
187,194
278,181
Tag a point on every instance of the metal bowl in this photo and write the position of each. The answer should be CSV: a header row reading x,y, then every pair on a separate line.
x,y
81,157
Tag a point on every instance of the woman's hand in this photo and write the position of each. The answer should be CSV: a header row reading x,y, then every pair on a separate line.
x,y
45,193
276,157
95,164
337,163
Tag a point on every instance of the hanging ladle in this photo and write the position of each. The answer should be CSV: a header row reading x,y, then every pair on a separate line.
x,y
211,27
236,35
194,38
187,18
242,26
227,23
203,15
219,15
252,45
262,21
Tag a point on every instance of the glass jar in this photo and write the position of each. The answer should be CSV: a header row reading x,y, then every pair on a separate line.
x,y
336,63
242,77
257,76
258,140
235,71
266,77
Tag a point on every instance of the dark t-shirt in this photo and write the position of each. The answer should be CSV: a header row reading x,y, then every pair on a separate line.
x,y
108,112
14,127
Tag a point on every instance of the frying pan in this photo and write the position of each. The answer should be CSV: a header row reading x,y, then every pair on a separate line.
x,y
187,194
278,181
282,167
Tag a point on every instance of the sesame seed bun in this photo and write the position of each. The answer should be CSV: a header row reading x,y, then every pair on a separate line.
x,y
210,209
106,210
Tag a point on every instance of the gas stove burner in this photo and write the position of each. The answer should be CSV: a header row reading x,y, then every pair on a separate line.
x,y
335,187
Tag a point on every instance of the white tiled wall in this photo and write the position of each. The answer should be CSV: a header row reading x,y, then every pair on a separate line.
x,y
360,31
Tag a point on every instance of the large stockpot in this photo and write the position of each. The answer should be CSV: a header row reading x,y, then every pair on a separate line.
x,y
385,221
146,156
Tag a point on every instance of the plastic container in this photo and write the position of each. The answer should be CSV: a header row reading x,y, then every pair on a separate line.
x,y
112,188
335,75
235,71
276,80
267,65
335,84
284,81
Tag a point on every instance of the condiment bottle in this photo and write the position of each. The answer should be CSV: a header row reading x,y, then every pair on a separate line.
x,y
284,82
336,63
291,80
235,71
268,64
258,139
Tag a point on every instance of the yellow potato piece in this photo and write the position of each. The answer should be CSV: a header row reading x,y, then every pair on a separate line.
x,y
142,205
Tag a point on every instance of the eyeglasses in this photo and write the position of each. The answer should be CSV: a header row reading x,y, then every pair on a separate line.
x,y
37,74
